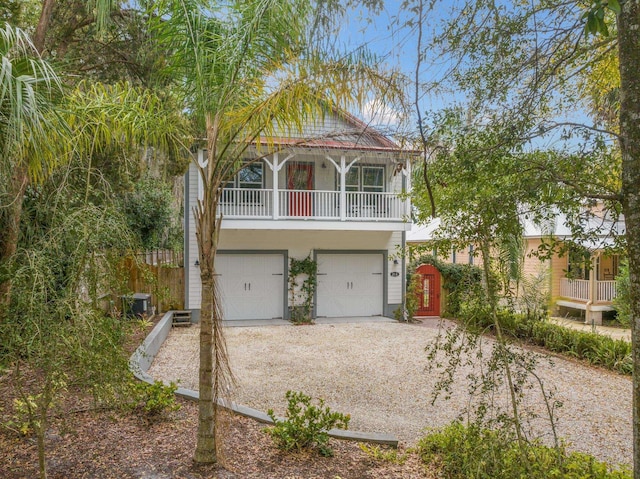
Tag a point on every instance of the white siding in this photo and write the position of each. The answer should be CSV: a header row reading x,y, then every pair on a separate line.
x,y
194,291
300,243
394,285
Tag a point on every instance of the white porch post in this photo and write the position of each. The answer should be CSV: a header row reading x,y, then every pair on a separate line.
x,y
276,196
406,171
593,317
343,189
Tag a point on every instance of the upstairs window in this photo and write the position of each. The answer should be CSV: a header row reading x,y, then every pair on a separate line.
x,y
364,178
251,176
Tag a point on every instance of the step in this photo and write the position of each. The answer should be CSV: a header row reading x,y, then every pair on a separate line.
x,y
181,318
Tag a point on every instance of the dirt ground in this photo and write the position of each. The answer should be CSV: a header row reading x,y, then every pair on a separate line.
x,y
111,445
105,444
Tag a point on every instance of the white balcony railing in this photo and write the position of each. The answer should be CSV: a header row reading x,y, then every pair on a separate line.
x,y
362,205
309,204
246,203
322,205
579,289
574,288
606,290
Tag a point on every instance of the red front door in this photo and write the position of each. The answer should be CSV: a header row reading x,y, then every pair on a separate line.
x,y
300,179
429,293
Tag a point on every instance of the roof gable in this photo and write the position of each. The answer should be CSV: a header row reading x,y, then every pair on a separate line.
x,y
336,129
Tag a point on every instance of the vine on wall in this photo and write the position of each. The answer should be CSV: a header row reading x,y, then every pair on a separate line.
x,y
302,293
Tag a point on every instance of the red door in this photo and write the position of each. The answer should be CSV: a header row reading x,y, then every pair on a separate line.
x,y
429,293
300,179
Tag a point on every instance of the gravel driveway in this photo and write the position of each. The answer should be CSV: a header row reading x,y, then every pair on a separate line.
x,y
376,372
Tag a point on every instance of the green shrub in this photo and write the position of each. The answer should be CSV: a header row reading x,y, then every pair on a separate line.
x,y
598,349
154,400
383,454
622,301
461,452
412,299
306,425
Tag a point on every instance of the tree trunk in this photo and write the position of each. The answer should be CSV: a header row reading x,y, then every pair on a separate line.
x,y
42,462
629,56
492,297
205,452
10,225
43,25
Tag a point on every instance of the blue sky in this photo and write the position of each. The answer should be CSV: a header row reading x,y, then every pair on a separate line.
x,y
387,35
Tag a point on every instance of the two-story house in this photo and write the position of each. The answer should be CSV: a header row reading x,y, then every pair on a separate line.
x,y
335,192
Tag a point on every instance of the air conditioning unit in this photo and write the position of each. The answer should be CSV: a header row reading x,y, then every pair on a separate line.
x,y
138,304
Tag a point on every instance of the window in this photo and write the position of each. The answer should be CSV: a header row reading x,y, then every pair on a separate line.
x,y
373,178
578,263
251,177
364,178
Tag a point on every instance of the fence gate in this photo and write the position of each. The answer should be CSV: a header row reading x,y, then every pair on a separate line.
x,y
429,293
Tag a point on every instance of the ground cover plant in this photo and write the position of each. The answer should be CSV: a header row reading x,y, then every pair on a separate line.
x,y
597,349
460,451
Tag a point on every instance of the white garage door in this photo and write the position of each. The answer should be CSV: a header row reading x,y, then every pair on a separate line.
x,y
251,285
350,285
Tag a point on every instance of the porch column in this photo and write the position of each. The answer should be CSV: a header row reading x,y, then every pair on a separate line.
x,y
593,317
406,172
343,190
276,196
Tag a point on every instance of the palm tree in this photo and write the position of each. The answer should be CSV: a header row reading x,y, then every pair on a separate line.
x,y
28,86
246,70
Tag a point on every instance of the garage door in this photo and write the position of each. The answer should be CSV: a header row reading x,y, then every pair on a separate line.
x,y
350,285
251,285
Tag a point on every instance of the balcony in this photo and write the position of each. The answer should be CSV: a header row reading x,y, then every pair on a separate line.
x,y
261,204
578,289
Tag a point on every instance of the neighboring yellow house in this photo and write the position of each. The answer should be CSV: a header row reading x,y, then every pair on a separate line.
x,y
581,282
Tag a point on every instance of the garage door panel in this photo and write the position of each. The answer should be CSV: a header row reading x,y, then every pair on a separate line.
x,y
350,285
251,285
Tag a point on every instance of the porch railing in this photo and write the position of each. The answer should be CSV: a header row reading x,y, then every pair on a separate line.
x,y
579,289
246,203
574,288
606,290
316,204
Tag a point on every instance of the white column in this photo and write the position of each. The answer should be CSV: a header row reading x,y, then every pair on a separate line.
x,y
343,191
593,317
276,195
406,171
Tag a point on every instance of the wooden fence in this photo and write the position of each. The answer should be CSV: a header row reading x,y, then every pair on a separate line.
x,y
163,281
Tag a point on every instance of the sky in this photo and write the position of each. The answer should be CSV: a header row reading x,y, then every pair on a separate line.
x,y
387,35
396,46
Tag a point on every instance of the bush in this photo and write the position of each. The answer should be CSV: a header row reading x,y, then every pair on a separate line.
x,y
622,301
460,451
154,400
306,425
412,299
600,350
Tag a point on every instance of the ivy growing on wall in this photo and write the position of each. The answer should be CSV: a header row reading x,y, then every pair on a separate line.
x,y
460,281
302,293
